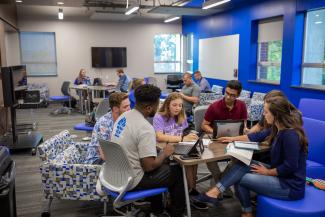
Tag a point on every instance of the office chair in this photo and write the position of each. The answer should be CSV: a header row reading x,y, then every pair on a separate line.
x,y
102,109
116,177
174,82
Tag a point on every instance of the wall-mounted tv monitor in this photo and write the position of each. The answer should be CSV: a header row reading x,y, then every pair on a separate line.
x,y
108,57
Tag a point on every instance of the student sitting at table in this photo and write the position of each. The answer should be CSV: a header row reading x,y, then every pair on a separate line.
x,y
135,84
228,108
262,124
118,104
123,81
202,82
137,136
169,124
285,177
82,78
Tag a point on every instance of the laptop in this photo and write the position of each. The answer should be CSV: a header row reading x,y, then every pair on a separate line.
x,y
223,128
191,149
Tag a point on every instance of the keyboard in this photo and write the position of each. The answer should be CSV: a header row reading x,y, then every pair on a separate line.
x,y
182,149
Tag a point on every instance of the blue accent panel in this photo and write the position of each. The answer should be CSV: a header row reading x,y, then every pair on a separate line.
x,y
137,195
243,19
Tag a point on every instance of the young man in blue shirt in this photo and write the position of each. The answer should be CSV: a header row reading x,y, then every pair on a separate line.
x,y
123,82
202,82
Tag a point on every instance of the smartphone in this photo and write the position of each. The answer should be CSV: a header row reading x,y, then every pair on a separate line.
x,y
190,157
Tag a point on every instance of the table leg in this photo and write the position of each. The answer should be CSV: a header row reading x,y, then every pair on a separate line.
x,y
187,197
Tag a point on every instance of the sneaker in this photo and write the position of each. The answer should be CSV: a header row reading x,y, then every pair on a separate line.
x,y
227,193
163,214
203,198
199,205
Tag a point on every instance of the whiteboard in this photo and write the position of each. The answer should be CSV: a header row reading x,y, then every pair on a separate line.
x,y
218,57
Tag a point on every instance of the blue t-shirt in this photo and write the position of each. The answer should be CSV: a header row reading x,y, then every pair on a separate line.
x,y
289,159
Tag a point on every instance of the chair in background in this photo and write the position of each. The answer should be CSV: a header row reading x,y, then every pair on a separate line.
x,y
66,99
102,109
217,89
98,82
316,149
258,96
208,98
312,108
174,82
116,177
245,94
198,114
151,80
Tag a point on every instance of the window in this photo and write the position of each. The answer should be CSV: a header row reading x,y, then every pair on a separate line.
x,y
313,66
38,52
167,53
188,50
269,50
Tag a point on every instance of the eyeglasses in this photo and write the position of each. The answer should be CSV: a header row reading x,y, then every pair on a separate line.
x,y
231,95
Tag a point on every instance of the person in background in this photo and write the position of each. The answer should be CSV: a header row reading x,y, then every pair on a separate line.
x,y
135,84
285,177
202,82
82,78
190,93
123,82
228,108
137,136
169,124
118,103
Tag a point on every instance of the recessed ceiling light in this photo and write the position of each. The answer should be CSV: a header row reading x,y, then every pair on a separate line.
x,y
19,1
317,15
171,19
318,22
60,3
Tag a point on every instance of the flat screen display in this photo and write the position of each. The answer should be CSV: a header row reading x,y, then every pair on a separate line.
x,y
108,57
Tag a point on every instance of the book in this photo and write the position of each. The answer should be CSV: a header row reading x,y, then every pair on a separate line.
x,y
247,145
244,155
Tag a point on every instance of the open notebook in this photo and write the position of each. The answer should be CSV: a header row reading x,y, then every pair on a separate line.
x,y
244,155
206,142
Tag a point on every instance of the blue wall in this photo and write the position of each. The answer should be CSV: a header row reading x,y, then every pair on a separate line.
x,y
243,20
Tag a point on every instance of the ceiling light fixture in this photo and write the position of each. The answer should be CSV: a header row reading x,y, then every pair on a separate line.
x,y
60,14
213,3
19,1
318,22
171,19
181,3
60,3
132,9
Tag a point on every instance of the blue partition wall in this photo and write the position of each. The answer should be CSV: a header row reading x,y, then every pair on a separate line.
x,y
243,20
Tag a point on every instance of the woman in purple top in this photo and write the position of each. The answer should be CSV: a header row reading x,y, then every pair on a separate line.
x,y
169,124
170,121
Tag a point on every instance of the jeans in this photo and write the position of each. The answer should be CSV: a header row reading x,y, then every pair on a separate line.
x,y
165,176
245,181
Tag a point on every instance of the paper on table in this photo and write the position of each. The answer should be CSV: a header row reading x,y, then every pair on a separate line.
x,y
206,142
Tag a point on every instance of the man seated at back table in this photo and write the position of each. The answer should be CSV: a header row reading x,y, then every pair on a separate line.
x,y
228,108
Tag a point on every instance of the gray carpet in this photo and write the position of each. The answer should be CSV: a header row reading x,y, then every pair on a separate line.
x,y
28,180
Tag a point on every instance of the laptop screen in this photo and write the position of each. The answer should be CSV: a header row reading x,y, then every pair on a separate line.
x,y
223,128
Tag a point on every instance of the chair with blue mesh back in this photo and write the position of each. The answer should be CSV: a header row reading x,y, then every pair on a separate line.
x,y
174,82
312,108
116,177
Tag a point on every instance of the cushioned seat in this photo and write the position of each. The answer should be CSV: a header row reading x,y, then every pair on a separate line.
x,y
83,127
163,95
310,163
136,195
59,98
312,205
